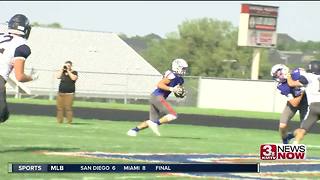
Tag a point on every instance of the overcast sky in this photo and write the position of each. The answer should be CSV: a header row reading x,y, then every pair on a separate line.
x,y
299,19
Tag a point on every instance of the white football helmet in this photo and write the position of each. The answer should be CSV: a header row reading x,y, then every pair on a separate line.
x,y
179,66
279,72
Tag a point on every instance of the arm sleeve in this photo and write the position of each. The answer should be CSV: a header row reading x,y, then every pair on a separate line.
x,y
22,51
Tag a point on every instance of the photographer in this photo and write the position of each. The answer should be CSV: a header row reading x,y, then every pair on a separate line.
x,y
66,92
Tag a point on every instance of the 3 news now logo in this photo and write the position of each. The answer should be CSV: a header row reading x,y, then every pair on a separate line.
x,y
283,151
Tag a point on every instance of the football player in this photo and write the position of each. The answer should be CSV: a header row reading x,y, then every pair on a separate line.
x,y
314,67
313,95
13,53
161,111
296,98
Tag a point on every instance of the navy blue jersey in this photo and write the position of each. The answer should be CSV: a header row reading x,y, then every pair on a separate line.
x,y
174,78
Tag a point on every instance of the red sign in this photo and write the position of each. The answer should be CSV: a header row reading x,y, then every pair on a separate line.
x,y
268,152
265,27
259,10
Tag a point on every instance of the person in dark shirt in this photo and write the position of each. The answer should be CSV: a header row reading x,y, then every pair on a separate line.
x,y
68,78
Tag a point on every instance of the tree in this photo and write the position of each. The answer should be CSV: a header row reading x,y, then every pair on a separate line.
x,y
207,44
52,25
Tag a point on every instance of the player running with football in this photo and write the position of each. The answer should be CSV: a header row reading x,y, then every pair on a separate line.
x,y
161,111
296,98
13,53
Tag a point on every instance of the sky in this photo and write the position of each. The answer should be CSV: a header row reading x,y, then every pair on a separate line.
x,y
298,19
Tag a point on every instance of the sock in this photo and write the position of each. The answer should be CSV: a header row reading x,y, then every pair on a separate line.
x,y
285,141
136,129
295,142
290,135
157,122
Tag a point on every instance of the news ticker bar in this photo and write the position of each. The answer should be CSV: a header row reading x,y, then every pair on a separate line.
x,y
132,168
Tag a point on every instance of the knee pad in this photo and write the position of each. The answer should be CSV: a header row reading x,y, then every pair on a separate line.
x,y
170,117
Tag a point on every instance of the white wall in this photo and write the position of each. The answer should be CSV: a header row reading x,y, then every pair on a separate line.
x,y
240,95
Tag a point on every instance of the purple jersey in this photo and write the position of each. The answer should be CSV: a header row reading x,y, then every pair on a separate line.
x,y
175,79
296,74
288,91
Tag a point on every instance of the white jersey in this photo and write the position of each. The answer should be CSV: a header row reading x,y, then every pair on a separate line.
x,y
12,47
313,87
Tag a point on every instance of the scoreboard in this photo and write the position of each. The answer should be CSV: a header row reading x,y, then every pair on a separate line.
x,y
257,26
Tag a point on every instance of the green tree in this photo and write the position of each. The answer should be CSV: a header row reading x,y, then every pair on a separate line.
x,y
52,25
310,47
209,46
160,53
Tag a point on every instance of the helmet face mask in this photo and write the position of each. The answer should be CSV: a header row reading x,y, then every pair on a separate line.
x,y
19,24
184,70
279,72
279,76
179,66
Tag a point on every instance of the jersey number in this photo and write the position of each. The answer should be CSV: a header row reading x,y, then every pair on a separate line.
x,y
8,38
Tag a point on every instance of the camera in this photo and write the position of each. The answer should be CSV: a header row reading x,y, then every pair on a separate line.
x,y
65,67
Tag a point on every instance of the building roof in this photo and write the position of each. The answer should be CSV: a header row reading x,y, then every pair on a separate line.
x,y
286,57
106,64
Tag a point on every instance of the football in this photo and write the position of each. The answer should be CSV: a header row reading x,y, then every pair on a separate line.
x,y
181,93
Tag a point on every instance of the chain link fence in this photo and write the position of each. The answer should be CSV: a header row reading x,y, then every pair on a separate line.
x,y
3,27
107,87
103,86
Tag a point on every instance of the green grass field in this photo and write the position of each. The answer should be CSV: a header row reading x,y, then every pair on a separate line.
x,y
23,137
186,110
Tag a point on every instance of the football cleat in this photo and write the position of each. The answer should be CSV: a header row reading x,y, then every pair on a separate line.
x,y
132,133
154,127
288,138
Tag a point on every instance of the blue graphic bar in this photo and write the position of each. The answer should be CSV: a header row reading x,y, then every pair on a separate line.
x,y
132,168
